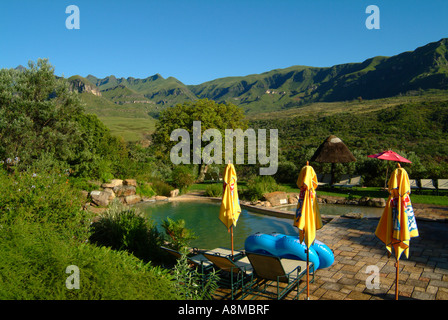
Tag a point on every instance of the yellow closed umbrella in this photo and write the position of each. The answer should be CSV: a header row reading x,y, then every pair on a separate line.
x,y
307,218
397,224
230,206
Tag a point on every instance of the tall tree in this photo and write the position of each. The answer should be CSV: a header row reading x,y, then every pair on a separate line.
x,y
211,114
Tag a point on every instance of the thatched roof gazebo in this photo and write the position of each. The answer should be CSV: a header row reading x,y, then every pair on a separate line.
x,y
333,150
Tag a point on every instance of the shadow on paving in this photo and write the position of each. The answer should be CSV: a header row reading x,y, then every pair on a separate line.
x,y
430,247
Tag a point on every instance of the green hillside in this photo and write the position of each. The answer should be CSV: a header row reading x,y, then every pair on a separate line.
x,y
419,73
379,77
156,89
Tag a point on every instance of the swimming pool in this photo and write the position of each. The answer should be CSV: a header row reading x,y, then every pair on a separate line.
x,y
202,218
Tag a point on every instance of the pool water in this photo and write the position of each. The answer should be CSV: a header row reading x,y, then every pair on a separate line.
x,y
202,219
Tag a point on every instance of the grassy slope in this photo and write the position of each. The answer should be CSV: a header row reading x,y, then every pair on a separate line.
x,y
130,121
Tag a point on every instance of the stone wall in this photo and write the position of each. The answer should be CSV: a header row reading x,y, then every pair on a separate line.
x,y
279,198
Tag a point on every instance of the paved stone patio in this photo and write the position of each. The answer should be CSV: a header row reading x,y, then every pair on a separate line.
x,y
423,276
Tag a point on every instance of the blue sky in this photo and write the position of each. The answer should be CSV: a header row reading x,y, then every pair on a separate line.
x,y
200,40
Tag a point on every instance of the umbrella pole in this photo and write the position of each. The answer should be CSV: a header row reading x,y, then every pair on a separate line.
x,y
397,264
231,238
307,274
387,171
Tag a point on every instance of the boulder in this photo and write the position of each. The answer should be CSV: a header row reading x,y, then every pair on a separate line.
x,y
364,201
293,198
113,183
161,198
124,191
100,198
353,215
174,193
130,182
377,202
110,192
132,199
276,198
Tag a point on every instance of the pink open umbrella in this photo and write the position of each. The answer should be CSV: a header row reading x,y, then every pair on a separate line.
x,y
390,156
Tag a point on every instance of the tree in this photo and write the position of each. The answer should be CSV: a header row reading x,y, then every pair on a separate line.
x,y
37,114
41,118
212,115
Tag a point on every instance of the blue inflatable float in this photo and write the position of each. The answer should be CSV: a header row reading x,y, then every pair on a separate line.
x,y
289,247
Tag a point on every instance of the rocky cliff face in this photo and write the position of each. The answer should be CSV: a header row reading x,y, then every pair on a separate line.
x,y
80,86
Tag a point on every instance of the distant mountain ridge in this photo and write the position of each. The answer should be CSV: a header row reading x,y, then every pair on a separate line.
x,y
422,69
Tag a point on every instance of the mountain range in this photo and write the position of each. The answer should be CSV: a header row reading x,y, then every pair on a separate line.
x,y
423,69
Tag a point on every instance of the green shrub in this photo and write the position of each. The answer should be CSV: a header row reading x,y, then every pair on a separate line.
x,y
178,236
161,188
123,228
257,187
214,190
41,197
34,260
144,189
190,283
182,177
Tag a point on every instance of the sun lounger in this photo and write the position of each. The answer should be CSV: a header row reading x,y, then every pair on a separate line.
x,y
345,179
354,182
236,274
427,184
442,184
324,179
270,269
413,183
198,261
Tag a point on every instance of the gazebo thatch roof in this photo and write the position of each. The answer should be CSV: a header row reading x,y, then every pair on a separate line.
x,y
333,150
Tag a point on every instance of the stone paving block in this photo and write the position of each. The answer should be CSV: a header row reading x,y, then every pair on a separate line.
x,y
325,273
439,283
405,288
442,294
361,286
442,267
413,269
351,268
418,283
388,269
422,295
348,253
356,295
333,295
332,286
338,275
431,275
432,290
318,293
348,281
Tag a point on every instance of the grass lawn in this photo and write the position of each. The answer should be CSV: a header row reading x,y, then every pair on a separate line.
x,y
131,129
424,197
